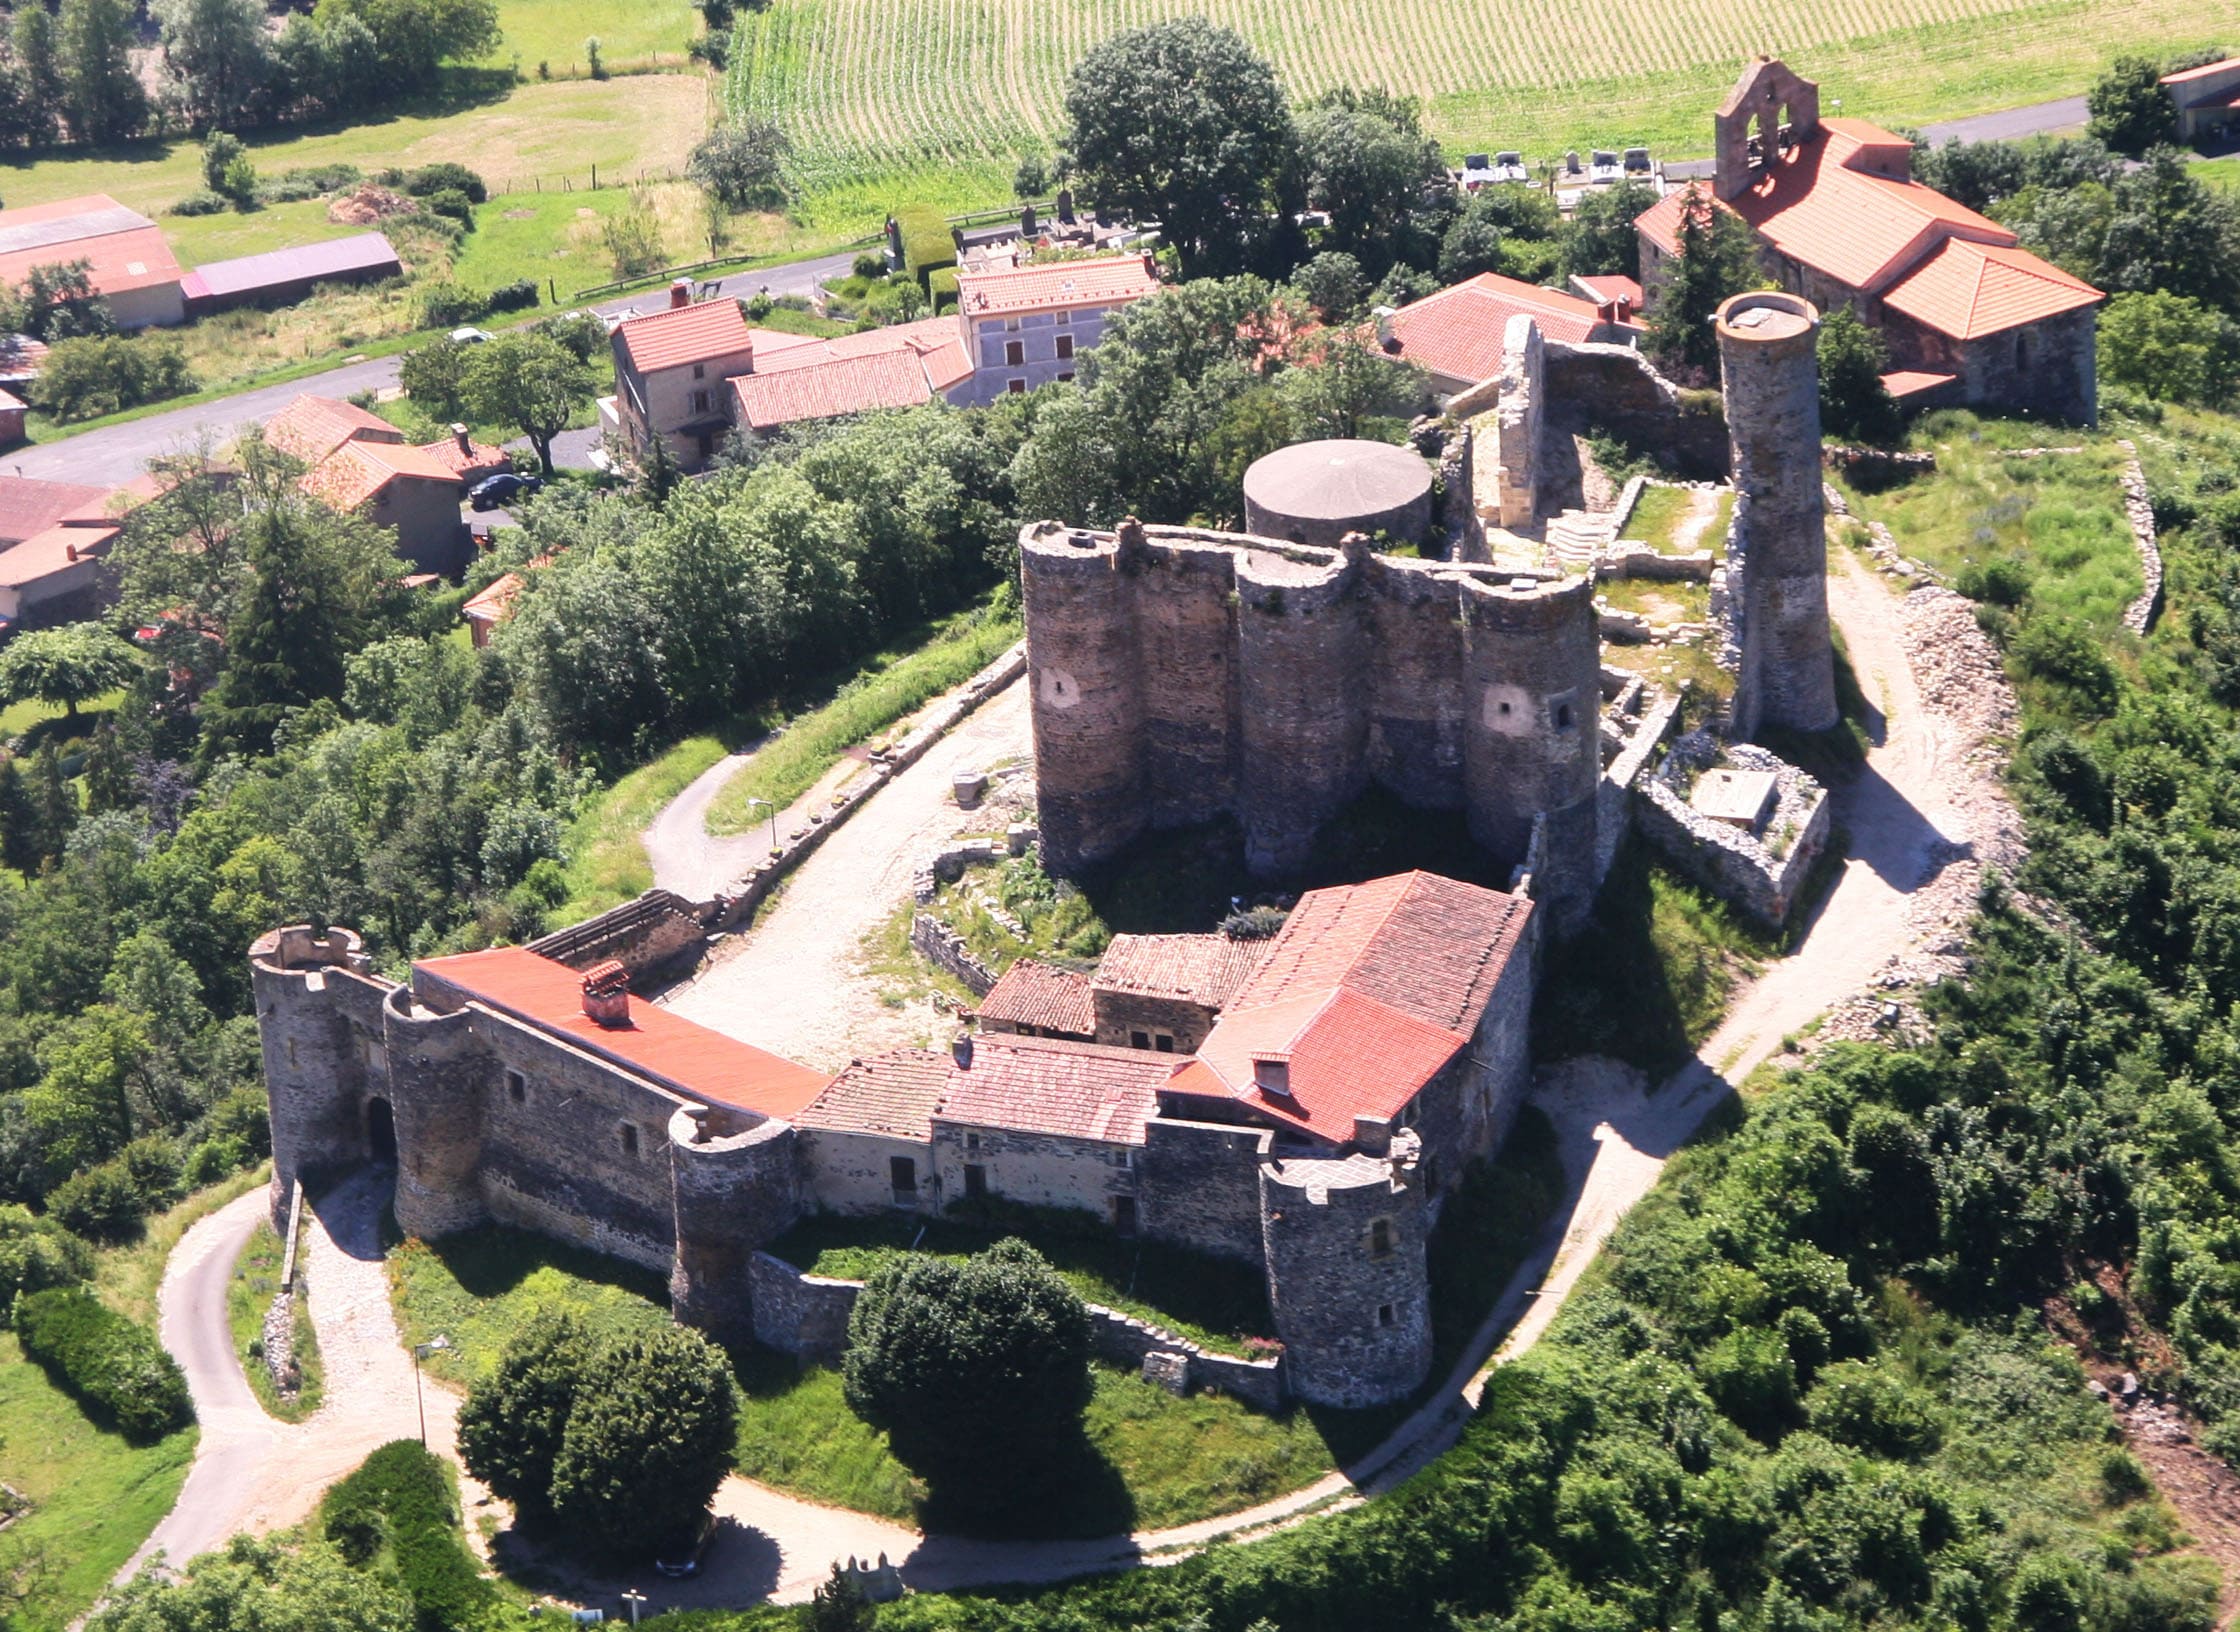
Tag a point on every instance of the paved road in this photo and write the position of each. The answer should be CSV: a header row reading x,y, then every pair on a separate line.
x,y
2056,118
115,454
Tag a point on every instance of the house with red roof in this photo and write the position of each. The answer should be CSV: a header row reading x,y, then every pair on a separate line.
x,y
128,261
670,374
2207,100
53,536
1455,335
1970,317
1024,326
360,462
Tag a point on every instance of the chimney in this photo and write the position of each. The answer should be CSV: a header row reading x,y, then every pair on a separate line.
x,y
1271,1074
606,994
680,293
961,1050
1149,264
466,442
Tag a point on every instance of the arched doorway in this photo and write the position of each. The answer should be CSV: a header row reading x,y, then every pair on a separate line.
x,y
381,1130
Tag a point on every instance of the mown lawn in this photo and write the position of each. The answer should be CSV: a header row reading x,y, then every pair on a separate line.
x,y
551,34
475,1290
606,858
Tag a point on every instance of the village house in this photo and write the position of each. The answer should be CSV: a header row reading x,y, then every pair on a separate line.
x,y
1455,336
360,462
2207,100
129,264
52,538
1969,316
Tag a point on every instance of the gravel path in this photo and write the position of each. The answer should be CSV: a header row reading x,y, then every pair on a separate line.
x,y
686,857
794,984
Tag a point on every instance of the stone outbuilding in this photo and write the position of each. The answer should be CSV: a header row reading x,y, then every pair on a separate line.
x,y
1318,492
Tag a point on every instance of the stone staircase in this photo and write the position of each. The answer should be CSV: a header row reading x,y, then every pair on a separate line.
x,y
1576,537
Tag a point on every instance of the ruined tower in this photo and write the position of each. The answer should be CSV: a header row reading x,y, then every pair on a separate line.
x,y
1777,558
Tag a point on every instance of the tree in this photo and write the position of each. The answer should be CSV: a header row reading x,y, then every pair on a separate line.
x,y
434,377
227,170
1333,284
1184,122
1717,258
1031,179
1370,167
838,1605
1340,383
514,1419
2169,348
1854,403
1473,244
2130,111
59,303
646,1444
977,1371
411,37
33,37
221,58
255,1585
68,665
528,381
742,164
1602,240
85,378
633,235
102,98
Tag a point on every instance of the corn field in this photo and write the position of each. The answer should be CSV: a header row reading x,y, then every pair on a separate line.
x,y
868,89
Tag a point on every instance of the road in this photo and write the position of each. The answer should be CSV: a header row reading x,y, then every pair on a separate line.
x,y
2057,118
115,454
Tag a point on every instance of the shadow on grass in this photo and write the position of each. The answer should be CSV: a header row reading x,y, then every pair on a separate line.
x,y
494,1261
1070,1490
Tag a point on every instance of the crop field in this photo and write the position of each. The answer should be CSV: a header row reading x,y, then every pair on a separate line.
x,y
934,99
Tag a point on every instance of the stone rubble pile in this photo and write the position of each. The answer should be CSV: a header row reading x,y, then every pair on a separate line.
x,y
2138,510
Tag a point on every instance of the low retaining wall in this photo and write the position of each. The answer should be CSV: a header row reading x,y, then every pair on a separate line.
x,y
2139,511
1727,861
657,928
807,1316
944,948
738,904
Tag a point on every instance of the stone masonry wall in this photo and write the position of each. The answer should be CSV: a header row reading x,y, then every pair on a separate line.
x,y
944,948
657,929
1035,1169
1196,1187
1732,864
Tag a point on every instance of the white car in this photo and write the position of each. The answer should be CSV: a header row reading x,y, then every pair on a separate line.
x,y
469,336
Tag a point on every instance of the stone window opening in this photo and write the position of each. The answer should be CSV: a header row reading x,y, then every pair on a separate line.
x,y
1014,353
1380,1239
1136,1039
975,1181
972,1142
902,1174
1563,716
291,1051
2022,349
1124,1215
699,371
1066,378
629,1139
517,1087
1386,1315
1163,1042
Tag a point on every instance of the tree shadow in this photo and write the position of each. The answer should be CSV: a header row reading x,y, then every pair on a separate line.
x,y
494,1260
1607,990
1069,1490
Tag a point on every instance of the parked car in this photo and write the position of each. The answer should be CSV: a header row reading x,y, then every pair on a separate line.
x,y
503,488
469,336
1603,169
681,1558
1511,167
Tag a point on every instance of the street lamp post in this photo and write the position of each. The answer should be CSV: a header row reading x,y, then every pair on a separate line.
x,y
636,1601
434,1345
773,810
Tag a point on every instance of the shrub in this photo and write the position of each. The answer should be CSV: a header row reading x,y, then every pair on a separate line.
x,y
451,203
517,296
2062,650
431,179
869,265
37,1255
1254,924
155,1169
647,1443
101,374
115,1368
214,1159
401,1493
200,203
927,244
2002,582
101,1203
446,305
1863,1405
941,287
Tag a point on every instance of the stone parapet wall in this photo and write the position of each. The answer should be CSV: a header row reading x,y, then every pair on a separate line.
x,y
945,949
656,929
1614,388
1732,864
2138,510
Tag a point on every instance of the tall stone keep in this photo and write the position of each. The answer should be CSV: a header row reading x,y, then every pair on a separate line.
x,y
1777,558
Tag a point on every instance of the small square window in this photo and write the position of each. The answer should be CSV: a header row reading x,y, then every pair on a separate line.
x,y
629,1139
972,1142
1163,1043
1065,346
1014,353
517,1087
1066,378
699,371
1017,388
1385,1315
1139,1039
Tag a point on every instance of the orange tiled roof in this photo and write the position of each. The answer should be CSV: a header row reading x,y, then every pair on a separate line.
x,y
667,1048
895,1094
1044,1085
845,385
30,505
1911,382
52,550
1056,286
1043,996
1202,969
2189,75
357,470
936,340
677,335
125,249
493,603
310,428
1968,290
1457,332
1615,286
1369,990
475,459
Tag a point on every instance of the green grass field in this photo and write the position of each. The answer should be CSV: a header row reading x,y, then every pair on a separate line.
x,y
631,35
895,99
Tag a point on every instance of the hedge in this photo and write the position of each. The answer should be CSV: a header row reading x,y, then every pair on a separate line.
x,y
402,1492
116,1369
942,287
926,241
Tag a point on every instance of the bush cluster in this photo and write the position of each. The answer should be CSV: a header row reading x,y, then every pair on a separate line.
x,y
400,1495
446,305
102,374
115,1368
517,296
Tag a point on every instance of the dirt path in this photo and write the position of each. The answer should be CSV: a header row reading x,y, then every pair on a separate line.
x,y
686,857
794,983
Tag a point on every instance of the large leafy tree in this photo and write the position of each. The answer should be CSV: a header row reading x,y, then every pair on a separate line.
x,y
742,164
513,1421
1369,165
102,96
254,1585
2130,110
978,1371
2170,348
1854,403
220,56
1184,121
528,381
69,665
1717,259
646,1444
1602,240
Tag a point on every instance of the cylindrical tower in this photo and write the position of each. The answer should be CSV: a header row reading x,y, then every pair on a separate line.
x,y
1347,1278
1081,664
315,1081
1317,492
1531,730
736,1191
1415,707
1778,546
1186,624
437,1072
1301,655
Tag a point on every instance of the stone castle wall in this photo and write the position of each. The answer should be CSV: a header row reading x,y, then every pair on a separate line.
x,y
1347,1275
655,930
1179,675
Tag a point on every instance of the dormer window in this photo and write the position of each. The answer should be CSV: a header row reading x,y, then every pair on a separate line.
x,y
1271,1074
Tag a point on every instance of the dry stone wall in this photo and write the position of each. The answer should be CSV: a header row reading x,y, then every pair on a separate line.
x,y
1761,878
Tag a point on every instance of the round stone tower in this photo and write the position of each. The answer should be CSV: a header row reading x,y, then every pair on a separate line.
x,y
735,1193
439,1071
1317,492
1081,664
1301,662
315,1075
1532,731
1347,1279
1778,547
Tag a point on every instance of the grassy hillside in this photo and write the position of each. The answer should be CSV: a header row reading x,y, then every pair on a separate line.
x,y
892,99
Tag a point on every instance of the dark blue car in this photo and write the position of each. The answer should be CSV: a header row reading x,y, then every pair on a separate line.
x,y
503,488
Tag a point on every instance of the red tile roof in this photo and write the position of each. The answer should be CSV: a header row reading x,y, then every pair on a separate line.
x,y
937,341
53,550
358,470
30,505
848,385
1202,969
126,249
2188,75
1968,290
667,1048
677,335
1056,286
1911,382
473,460
1457,332
1044,996
310,428
1369,990
1043,1085
493,603
1616,286
894,1094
